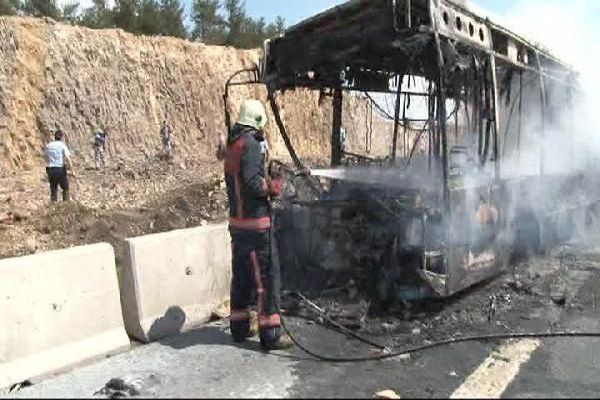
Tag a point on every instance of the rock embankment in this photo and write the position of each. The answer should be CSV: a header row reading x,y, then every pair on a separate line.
x,y
56,75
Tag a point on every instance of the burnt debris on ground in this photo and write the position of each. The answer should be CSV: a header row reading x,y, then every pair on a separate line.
x,y
518,302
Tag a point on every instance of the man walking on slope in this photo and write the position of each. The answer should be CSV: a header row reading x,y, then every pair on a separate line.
x,y
165,135
255,263
58,158
99,148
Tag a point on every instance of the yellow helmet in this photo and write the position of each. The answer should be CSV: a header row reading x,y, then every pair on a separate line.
x,y
253,113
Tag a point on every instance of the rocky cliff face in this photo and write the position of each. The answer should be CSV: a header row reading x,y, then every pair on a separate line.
x,y
54,75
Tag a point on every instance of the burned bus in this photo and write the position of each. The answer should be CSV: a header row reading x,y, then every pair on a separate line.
x,y
497,113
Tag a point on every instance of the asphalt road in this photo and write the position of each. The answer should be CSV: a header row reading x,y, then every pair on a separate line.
x,y
205,363
565,368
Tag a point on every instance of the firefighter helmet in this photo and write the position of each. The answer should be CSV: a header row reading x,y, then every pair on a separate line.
x,y
253,113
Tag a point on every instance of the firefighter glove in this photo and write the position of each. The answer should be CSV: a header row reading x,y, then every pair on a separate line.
x,y
275,187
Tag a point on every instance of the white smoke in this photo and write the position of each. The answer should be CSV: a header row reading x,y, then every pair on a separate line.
x,y
569,30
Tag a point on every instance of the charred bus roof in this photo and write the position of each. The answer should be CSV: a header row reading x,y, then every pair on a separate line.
x,y
370,41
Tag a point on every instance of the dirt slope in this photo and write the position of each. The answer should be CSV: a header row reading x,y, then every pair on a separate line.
x,y
77,78
55,75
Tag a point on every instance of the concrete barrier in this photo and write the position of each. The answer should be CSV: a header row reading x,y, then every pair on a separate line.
x,y
58,309
173,281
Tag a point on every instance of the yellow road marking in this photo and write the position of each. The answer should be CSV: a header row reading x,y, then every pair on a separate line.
x,y
493,376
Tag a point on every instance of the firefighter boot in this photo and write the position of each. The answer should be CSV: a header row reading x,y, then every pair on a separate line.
x,y
242,330
272,339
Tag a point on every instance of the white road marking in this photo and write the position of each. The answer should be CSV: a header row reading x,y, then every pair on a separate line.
x,y
493,376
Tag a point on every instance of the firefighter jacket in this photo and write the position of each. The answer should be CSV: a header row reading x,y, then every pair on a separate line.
x,y
247,186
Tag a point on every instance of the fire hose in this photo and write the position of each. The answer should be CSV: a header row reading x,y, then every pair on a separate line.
x,y
389,353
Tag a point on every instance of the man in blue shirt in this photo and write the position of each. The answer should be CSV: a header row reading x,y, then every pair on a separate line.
x,y
58,157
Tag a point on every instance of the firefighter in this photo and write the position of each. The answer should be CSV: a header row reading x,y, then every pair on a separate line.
x,y
255,261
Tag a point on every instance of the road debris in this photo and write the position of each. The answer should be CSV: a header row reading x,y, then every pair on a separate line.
x,y
119,388
434,320
8,218
558,294
222,311
386,394
130,387
19,386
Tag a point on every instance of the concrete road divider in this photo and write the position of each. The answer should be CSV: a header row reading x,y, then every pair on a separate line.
x,y
58,309
173,281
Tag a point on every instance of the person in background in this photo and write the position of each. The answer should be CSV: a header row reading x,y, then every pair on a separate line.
x,y
58,158
99,148
165,135
221,146
264,150
343,137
